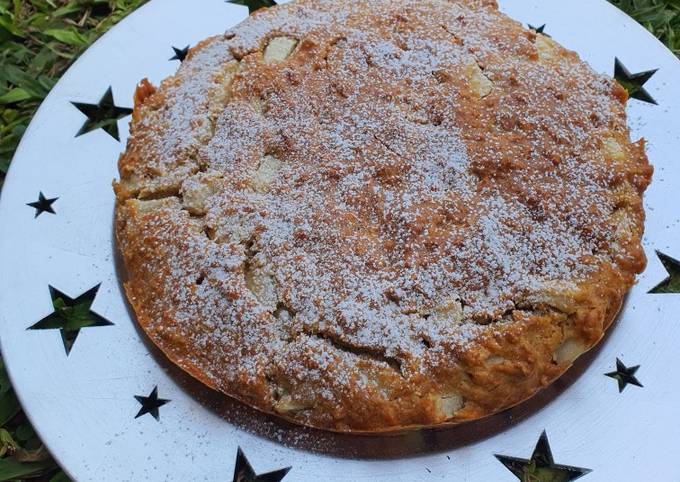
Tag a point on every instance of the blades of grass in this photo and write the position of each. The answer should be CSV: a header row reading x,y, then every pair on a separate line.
x,y
661,17
5,385
67,36
9,407
15,95
60,477
7,442
17,7
7,24
11,469
21,79
67,10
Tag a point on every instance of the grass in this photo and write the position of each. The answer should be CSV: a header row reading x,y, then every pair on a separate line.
x,y
661,17
39,39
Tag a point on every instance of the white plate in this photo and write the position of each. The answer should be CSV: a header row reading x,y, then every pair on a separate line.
x,y
83,404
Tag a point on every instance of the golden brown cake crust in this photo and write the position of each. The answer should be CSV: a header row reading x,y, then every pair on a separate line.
x,y
374,215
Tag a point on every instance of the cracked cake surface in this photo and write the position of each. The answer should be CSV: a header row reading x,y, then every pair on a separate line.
x,y
377,216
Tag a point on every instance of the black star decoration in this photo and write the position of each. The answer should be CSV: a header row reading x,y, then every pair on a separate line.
x,y
254,5
541,467
104,115
243,472
151,404
672,283
540,29
43,205
624,375
633,83
71,315
180,54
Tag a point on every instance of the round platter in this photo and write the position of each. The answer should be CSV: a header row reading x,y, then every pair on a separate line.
x,y
110,407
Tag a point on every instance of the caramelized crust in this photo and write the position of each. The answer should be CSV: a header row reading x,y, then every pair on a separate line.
x,y
373,216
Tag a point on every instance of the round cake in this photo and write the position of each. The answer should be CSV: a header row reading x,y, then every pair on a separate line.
x,y
381,215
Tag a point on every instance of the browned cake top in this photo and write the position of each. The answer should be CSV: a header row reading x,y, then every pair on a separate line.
x,y
336,207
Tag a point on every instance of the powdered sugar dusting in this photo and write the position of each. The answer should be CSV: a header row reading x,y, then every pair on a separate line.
x,y
428,171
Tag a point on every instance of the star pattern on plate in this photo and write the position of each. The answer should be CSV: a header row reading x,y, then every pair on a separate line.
x,y
540,29
180,54
624,375
634,83
254,5
243,471
150,404
103,115
70,315
43,205
541,467
672,283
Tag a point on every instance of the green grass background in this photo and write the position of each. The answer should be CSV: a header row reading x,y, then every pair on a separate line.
x,y
39,39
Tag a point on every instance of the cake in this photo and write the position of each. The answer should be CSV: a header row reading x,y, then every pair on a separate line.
x,y
376,216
